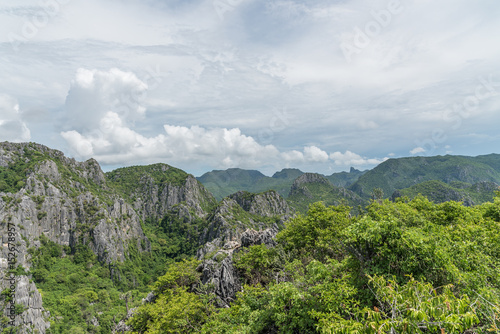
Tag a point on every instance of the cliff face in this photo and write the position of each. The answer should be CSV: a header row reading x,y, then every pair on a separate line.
x,y
67,201
154,195
218,269
240,211
310,188
266,204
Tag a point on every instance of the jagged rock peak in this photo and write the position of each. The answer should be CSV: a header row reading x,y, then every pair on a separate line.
x,y
266,204
310,178
156,189
218,268
46,194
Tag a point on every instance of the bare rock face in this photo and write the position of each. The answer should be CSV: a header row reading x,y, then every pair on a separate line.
x,y
266,204
154,194
240,220
69,203
218,270
240,211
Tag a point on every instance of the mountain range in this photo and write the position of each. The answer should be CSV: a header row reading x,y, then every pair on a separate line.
x,y
462,178
89,244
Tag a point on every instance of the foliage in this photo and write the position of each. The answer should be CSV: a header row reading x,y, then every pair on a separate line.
x,y
76,288
13,176
405,172
406,267
317,233
415,307
176,309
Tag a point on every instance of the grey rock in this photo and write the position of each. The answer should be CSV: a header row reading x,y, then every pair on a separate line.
x,y
218,270
59,200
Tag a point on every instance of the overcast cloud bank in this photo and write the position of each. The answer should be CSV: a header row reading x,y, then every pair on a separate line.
x,y
205,84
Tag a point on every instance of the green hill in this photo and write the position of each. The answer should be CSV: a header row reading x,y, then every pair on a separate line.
x,y
402,173
310,188
439,192
345,179
222,183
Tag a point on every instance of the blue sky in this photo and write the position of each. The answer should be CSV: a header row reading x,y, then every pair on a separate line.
x,y
202,85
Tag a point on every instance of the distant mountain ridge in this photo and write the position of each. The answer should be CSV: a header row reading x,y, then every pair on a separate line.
x,y
401,173
459,177
222,183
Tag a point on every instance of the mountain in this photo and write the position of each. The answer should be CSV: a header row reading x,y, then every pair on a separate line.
x,y
225,182
222,183
401,173
311,187
93,242
156,189
48,199
345,179
440,192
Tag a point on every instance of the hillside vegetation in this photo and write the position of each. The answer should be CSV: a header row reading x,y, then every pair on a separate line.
x,y
225,182
402,173
147,249
406,267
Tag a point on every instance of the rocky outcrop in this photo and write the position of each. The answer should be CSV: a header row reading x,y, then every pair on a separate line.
x,y
240,211
68,202
218,270
121,327
298,186
266,204
156,189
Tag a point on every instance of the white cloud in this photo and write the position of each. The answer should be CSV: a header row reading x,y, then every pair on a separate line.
x,y
93,93
315,154
107,133
12,126
226,75
352,159
417,150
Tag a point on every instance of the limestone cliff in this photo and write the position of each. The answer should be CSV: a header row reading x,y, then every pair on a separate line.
x,y
45,193
155,189
218,269
240,211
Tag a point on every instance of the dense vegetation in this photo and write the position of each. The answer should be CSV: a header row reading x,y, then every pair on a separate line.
x,y
13,176
325,192
402,173
409,266
126,179
84,295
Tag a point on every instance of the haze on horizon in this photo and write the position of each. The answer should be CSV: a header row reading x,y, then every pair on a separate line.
x,y
215,84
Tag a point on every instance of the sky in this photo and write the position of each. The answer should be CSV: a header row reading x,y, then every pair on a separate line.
x,y
213,84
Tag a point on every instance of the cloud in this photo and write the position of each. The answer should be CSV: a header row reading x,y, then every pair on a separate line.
x,y
94,93
417,150
12,126
102,127
352,159
314,154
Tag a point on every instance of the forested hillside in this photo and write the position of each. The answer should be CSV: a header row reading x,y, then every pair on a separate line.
x,y
89,245
148,249
405,267
402,173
